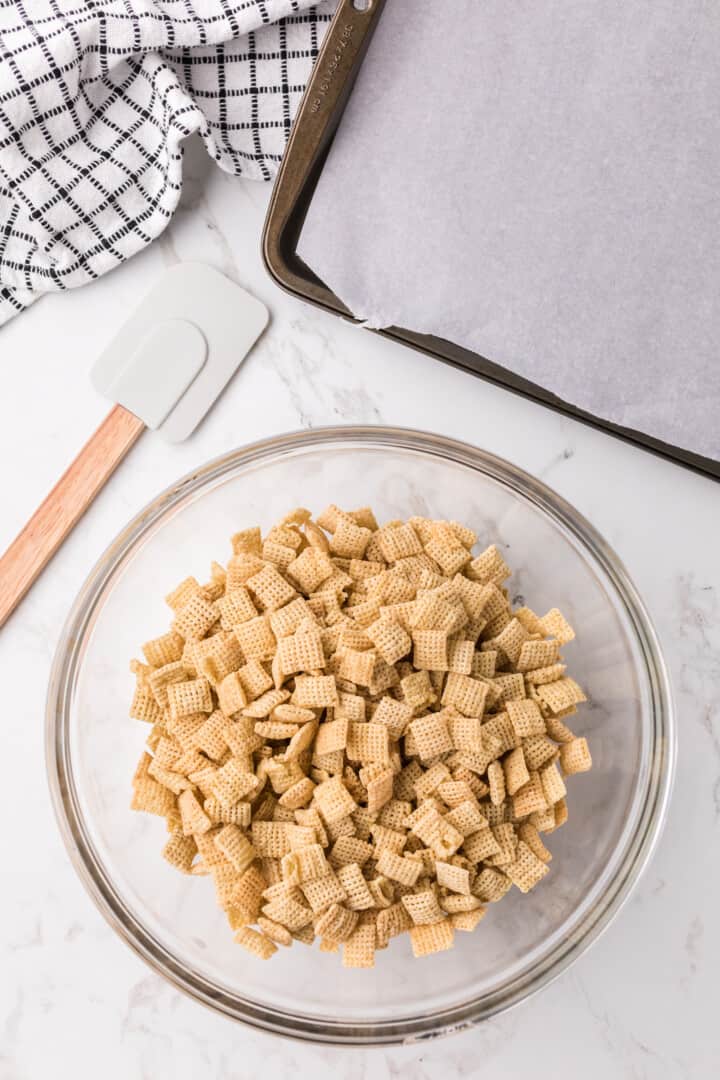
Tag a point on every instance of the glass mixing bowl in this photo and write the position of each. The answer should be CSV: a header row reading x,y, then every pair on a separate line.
x,y
616,811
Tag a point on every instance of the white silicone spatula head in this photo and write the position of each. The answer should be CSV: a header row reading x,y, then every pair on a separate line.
x,y
175,354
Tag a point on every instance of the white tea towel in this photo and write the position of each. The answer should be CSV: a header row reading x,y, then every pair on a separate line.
x,y
95,101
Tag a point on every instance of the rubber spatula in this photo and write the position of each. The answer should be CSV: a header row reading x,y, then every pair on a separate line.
x,y
163,370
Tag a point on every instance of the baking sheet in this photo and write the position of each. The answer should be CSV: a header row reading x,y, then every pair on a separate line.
x,y
540,185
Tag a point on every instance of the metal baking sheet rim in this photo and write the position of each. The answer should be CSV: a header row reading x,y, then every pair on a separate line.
x,y
317,119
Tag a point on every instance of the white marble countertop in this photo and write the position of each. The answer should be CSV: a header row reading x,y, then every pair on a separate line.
x,y
643,1002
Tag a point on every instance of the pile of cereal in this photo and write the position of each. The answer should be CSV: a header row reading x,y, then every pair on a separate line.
x,y
355,735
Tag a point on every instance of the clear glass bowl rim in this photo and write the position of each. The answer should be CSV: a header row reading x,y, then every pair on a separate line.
x,y
94,875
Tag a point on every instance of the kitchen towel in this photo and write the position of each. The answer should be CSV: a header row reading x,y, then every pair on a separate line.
x,y
95,101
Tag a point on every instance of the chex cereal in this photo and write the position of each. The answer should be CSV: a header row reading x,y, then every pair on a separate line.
x,y
355,735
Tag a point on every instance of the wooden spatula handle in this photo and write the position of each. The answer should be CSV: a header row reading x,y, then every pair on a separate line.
x,y
67,502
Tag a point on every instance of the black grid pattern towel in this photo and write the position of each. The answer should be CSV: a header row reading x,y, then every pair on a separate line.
x,y
95,100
